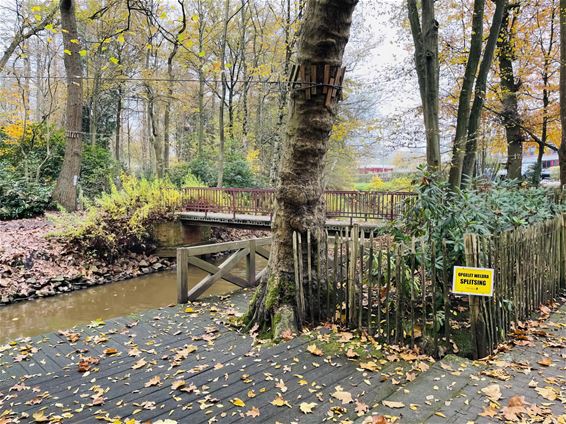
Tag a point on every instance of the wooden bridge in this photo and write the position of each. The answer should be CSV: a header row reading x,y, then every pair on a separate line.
x,y
253,208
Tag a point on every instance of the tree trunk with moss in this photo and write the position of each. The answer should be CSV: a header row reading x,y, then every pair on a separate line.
x,y
299,194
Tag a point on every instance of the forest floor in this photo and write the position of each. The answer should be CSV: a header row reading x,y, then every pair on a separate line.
x,y
34,265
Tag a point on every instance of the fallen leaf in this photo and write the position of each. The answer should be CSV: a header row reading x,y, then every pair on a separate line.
x,y
515,408
134,352
493,392
369,366
314,350
351,353
393,404
549,393
545,362
139,364
379,419
341,395
177,384
279,401
254,412
238,402
287,335
40,417
345,337
190,310
488,411
153,381
110,351
307,408
281,385
361,408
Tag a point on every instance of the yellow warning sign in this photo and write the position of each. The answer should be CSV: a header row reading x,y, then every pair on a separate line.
x,y
473,281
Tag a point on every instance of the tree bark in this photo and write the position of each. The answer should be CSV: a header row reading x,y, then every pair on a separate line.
x,y
283,96
299,194
464,103
425,39
562,150
510,111
222,133
481,89
65,192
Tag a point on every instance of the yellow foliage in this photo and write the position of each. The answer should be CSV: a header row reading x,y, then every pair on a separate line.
x,y
253,160
395,184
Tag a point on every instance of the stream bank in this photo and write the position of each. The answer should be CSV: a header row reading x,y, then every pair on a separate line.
x,y
33,265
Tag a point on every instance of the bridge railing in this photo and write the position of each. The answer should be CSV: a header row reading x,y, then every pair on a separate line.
x,y
339,204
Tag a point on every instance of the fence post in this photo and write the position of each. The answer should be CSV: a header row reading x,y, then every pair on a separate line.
x,y
478,325
562,251
182,276
250,262
354,240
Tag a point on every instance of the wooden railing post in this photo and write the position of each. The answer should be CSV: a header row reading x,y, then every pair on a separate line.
x,y
251,262
182,276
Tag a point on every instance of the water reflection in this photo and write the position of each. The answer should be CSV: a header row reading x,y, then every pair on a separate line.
x,y
39,316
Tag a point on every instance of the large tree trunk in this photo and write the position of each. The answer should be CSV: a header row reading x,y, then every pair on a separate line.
x,y
480,90
562,151
510,112
426,60
222,133
464,104
65,192
299,194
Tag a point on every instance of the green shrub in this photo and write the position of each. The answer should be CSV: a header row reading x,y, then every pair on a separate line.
x,y
205,170
442,214
21,198
181,176
237,173
120,221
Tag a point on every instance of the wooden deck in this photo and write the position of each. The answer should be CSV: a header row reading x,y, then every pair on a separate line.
x,y
264,221
172,364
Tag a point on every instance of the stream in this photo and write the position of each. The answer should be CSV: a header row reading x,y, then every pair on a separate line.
x,y
34,317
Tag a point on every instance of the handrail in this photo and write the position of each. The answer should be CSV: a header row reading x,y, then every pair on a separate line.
x,y
339,203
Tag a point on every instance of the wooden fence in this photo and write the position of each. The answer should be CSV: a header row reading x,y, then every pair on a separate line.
x,y
401,293
240,250
529,264
374,285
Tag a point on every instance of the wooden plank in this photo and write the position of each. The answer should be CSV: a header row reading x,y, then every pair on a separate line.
x,y
222,247
226,266
264,253
313,79
326,79
250,263
182,276
213,269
